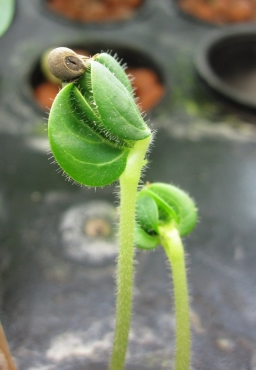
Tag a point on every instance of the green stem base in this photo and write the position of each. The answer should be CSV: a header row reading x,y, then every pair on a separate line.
x,y
172,244
128,192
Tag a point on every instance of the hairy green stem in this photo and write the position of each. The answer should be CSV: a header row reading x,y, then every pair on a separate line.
x,y
172,244
128,191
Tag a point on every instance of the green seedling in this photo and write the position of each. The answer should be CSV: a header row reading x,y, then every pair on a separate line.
x,y
164,214
98,136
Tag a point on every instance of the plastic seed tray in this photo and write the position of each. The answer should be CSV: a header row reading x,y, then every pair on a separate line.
x,y
57,293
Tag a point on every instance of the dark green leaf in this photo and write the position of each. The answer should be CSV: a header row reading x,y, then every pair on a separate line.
x,y
115,106
83,154
94,121
147,213
112,64
145,241
180,202
162,205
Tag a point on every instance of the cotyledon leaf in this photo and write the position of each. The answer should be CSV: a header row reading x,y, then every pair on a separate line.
x,y
80,151
168,197
162,205
113,66
113,103
147,212
94,120
146,228
88,114
143,240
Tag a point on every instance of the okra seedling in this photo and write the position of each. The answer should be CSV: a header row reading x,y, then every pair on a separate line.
x,y
164,214
98,136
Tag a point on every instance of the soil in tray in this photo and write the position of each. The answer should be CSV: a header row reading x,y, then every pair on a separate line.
x,y
148,89
220,11
94,10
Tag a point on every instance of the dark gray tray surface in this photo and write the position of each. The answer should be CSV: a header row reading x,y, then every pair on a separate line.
x,y
58,312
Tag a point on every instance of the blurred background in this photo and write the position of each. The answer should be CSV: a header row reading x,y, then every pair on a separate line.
x,y
194,68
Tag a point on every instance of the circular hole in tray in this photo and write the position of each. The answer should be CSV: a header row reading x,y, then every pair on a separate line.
x,y
219,11
148,76
94,11
226,60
